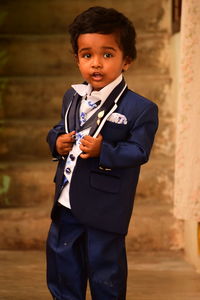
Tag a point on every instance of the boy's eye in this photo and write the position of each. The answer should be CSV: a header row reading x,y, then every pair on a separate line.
x,y
107,55
87,55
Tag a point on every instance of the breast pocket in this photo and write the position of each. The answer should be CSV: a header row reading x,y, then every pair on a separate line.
x,y
114,132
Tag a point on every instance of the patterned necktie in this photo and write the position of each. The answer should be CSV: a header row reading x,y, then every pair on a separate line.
x,y
86,106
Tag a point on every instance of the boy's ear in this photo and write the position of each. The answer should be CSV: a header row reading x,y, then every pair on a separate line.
x,y
127,63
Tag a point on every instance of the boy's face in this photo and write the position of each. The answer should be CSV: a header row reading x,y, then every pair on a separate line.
x,y
100,60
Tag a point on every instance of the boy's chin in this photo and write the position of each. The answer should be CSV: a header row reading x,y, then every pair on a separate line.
x,y
98,85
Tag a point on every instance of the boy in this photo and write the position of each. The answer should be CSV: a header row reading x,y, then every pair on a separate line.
x,y
105,134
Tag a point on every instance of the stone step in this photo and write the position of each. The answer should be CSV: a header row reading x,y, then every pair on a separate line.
x,y
153,227
51,55
24,228
49,16
27,228
24,140
27,184
41,97
161,185
33,55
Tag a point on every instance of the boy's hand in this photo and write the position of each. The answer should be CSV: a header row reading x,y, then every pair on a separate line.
x,y
90,146
64,143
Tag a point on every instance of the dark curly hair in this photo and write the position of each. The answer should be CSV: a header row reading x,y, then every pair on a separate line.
x,y
103,20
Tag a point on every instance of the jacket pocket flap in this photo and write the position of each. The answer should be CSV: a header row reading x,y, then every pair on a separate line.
x,y
105,182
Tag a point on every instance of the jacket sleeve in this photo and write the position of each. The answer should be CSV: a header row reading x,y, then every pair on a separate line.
x,y
59,128
136,149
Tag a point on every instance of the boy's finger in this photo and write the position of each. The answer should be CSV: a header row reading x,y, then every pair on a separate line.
x,y
85,143
84,148
84,155
67,139
88,138
67,148
99,136
72,132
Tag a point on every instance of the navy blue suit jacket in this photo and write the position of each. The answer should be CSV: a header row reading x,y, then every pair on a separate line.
x,y
102,189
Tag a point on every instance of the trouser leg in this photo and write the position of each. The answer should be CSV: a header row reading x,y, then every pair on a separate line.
x,y
107,265
66,267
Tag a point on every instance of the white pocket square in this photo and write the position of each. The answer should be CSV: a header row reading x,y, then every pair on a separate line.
x,y
117,118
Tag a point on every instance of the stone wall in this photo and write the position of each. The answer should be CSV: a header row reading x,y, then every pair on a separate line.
x,y
37,69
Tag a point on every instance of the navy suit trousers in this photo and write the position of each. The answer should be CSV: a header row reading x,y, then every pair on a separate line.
x,y
77,253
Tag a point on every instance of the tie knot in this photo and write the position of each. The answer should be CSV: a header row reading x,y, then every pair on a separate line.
x,y
87,105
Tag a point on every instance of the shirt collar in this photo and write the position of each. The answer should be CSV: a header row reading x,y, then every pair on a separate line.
x,y
86,89
82,89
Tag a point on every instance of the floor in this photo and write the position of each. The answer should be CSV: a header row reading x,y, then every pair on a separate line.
x,y
152,276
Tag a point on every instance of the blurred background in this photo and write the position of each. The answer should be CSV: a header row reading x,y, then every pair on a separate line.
x,y
37,66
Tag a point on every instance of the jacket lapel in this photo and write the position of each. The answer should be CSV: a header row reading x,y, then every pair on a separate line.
x,y
107,108
72,115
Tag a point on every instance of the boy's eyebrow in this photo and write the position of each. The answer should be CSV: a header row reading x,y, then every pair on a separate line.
x,y
84,49
109,48
89,48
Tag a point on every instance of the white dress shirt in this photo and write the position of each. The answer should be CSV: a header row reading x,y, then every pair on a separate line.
x,y
83,90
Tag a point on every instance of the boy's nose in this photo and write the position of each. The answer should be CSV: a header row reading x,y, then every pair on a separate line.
x,y
96,62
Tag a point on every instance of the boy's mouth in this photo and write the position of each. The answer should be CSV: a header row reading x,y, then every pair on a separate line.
x,y
97,76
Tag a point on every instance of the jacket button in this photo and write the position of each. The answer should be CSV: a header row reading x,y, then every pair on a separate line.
x,y
72,157
68,170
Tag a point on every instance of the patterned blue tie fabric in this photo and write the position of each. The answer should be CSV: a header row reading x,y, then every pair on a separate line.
x,y
86,106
